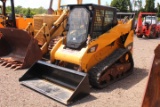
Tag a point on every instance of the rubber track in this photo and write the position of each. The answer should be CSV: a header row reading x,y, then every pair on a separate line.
x,y
96,71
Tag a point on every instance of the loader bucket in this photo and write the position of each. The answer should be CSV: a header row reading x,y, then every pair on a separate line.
x,y
59,83
18,49
152,93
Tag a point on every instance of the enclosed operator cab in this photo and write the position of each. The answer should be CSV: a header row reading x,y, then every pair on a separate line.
x,y
88,22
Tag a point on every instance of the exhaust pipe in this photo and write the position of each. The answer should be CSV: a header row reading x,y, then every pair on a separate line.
x,y
59,83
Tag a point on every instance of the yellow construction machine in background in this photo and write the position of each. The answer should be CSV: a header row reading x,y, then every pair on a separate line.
x,y
12,20
96,51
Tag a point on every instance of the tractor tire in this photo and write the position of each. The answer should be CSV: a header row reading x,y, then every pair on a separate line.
x,y
153,33
157,35
153,36
139,36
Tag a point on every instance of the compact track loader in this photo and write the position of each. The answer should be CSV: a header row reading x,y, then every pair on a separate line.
x,y
152,93
96,50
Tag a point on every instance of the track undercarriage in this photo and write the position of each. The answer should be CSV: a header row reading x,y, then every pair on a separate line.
x,y
113,68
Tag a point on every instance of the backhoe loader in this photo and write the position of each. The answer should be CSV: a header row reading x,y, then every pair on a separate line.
x,y
96,51
152,92
147,25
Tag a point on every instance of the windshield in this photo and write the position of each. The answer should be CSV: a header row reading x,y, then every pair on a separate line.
x,y
150,18
78,26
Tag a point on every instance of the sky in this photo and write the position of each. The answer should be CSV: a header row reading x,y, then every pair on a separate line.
x,y
45,3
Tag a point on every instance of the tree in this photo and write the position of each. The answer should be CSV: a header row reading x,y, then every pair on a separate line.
x,y
122,5
18,10
41,10
158,10
28,13
149,7
8,9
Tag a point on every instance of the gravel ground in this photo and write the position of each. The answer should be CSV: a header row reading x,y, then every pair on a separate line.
x,y
127,92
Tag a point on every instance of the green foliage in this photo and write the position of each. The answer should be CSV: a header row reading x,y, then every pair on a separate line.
x,y
19,10
158,10
8,9
28,12
142,10
122,5
149,7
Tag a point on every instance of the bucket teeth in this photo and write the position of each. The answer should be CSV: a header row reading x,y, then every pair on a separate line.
x,y
1,61
9,65
18,67
13,65
4,63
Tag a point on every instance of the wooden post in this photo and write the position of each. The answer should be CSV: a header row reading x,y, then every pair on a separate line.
x,y
99,2
59,4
